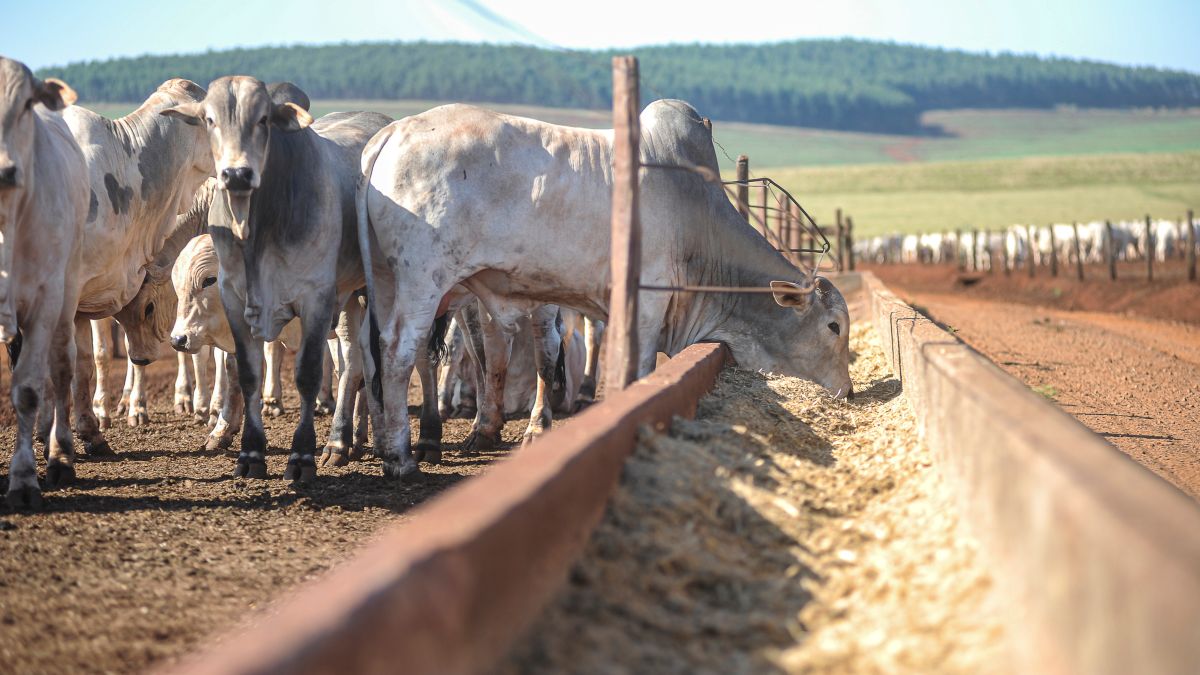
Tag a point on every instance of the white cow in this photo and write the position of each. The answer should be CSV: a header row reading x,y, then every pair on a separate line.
x,y
43,203
460,195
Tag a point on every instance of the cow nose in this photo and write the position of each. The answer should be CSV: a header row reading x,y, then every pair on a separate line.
x,y
8,176
179,343
140,362
237,178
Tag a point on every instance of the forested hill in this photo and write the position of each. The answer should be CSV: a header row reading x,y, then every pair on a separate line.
x,y
834,84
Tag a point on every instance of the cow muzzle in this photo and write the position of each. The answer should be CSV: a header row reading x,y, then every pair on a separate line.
x,y
238,179
10,177
179,343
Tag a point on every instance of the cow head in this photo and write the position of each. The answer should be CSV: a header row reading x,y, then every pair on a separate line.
x,y
239,115
199,316
20,92
819,349
147,319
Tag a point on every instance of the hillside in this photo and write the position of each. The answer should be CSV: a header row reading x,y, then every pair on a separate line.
x,y
830,84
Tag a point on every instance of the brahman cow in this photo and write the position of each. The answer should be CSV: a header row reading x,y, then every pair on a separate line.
x,y
283,226
518,212
43,203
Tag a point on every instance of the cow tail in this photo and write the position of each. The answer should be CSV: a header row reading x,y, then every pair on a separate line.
x,y
560,368
437,339
370,154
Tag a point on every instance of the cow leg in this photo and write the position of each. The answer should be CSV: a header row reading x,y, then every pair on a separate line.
x,y
123,403
86,424
273,382
28,353
302,464
497,347
361,419
60,462
227,403
252,459
547,349
101,358
202,390
593,332
343,445
429,441
449,371
184,384
325,399
137,395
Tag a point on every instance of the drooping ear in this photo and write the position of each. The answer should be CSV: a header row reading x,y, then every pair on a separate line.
x,y
54,93
188,112
788,294
288,116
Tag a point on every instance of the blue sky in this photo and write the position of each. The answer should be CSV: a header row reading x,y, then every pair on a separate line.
x,y
1164,33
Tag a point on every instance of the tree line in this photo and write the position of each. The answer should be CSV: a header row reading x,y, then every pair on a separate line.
x,y
834,84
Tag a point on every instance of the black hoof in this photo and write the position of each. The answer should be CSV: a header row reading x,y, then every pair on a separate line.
x,y
253,470
428,452
25,498
98,449
407,472
299,473
59,476
356,453
479,441
105,422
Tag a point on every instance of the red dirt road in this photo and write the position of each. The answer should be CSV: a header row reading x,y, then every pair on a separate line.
x,y
1135,381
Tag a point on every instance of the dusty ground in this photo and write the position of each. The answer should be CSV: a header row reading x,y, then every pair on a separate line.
x,y
779,532
150,553
1133,380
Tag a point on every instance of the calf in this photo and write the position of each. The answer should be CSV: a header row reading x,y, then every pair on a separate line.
x,y
43,204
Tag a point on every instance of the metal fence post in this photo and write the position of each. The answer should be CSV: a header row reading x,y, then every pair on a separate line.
x,y
1078,255
743,188
1149,250
622,347
850,243
840,240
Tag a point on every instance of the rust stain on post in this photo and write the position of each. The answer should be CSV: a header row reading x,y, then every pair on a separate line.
x,y
621,361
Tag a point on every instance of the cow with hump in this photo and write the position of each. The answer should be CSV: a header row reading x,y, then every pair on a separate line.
x,y
283,225
518,211
43,203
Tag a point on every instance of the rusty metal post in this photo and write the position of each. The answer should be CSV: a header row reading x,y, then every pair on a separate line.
x,y
783,224
1053,253
1190,237
1111,250
1149,250
839,241
743,188
849,243
1078,254
626,265
765,210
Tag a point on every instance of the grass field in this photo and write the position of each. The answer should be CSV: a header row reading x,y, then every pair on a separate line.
x,y
988,168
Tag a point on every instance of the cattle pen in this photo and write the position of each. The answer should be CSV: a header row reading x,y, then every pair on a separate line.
x,y
1061,555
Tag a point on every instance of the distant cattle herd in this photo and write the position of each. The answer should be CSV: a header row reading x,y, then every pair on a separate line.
x,y
227,221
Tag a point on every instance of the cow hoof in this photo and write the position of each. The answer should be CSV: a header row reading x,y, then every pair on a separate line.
x,y
428,452
139,419
28,497
201,418
356,452
581,404
59,476
213,419
331,457
217,443
479,441
271,407
300,473
253,470
407,472
321,409
105,422
99,448
122,408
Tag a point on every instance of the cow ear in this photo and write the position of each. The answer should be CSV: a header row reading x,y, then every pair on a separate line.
x,y
788,294
54,93
288,116
188,112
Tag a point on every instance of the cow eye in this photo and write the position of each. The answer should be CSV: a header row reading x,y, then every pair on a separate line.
x,y
837,330
208,121
149,310
263,121
208,281
29,104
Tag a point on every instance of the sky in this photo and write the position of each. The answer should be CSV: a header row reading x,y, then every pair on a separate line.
x,y
1162,33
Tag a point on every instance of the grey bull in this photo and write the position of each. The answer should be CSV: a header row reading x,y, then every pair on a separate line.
x,y
283,225
43,203
518,210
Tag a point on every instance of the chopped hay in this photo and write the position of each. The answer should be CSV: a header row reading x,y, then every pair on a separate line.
x,y
781,531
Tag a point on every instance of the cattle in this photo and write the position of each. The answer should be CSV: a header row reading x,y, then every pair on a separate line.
x,y
283,226
518,212
143,170
43,204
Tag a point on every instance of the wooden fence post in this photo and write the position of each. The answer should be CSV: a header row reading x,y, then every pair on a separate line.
x,y
1029,263
782,224
849,243
1149,250
622,348
1078,255
974,250
1053,252
1191,247
1111,250
1004,254
766,195
840,240
743,188
991,252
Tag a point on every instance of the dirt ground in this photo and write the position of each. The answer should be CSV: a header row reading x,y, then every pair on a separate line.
x,y
780,532
1132,379
148,554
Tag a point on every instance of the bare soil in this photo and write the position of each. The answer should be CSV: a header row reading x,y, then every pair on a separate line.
x,y
1132,379
150,554
780,532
